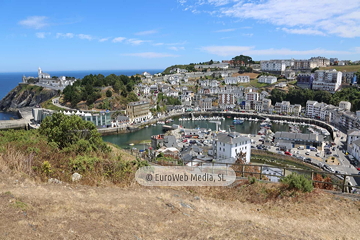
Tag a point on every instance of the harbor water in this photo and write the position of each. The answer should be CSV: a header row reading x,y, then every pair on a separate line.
x,y
140,139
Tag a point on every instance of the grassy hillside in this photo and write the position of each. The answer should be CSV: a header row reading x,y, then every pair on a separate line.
x,y
348,68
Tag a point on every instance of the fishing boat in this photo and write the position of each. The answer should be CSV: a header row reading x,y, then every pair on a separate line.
x,y
131,144
238,121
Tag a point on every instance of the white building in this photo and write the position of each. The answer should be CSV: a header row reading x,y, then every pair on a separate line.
x,y
310,105
345,105
228,145
267,79
41,74
278,66
236,80
252,96
352,135
178,70
327,80
215,65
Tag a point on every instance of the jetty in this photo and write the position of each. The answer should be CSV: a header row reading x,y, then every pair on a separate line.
x,y
25,116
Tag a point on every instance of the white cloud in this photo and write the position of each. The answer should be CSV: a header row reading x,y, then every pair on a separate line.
x,y
158,44
85,36
150,55
146,32
308,31
225,51
299,17
64,35
218,3
42,34
118,39
248,34
134,41
103,39
35,22
176,48
226,30
177,43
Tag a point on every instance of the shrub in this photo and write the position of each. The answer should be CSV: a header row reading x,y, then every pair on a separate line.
x,y
252,180
83,163
66,131
295,181
46,168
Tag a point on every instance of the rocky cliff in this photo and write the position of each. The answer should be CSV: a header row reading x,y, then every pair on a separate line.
x,y
26,95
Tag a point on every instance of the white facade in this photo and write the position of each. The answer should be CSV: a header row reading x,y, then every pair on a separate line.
x,y
345,105
228,145
310,105
178,70
41,74
236,80
327,80
267,79
272,66
252,96
352,136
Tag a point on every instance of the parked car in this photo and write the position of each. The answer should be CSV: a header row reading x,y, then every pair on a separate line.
x,y
288,153
307,160
307,153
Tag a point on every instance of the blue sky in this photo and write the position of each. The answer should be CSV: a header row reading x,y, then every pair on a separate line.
x,y
144,34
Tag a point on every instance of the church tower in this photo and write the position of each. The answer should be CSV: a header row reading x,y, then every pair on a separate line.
x,y
39,73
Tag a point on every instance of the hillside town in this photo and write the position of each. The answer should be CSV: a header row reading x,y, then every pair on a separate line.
x,y
217,87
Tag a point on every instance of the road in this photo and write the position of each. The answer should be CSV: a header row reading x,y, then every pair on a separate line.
x,y
340,164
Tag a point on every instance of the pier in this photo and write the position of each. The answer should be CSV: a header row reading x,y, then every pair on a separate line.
x,y
25,114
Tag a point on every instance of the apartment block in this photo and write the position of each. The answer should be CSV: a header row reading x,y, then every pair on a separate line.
x,y
327,80
138,111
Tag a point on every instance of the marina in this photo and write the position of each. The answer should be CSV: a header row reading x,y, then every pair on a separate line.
x,y
252,126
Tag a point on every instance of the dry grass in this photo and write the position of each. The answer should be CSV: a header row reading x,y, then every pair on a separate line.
x,y
251,75
45,211
348,68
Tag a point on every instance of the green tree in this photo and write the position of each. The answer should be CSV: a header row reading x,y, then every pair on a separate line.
x,y
117,86
241,60
109,93
66,131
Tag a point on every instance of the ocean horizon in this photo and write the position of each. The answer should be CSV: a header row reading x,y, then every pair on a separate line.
x,y
9,80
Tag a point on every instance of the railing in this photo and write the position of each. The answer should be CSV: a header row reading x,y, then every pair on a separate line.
x,y
338,181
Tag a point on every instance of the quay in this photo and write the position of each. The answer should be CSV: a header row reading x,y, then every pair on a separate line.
x,y
25,115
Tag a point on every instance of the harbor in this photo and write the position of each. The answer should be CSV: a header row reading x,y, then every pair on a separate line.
x,y
244,125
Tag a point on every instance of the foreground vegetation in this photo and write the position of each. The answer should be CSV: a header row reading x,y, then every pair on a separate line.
x,y
62,146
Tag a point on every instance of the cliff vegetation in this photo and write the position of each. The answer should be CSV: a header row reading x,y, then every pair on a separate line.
x,y
26,95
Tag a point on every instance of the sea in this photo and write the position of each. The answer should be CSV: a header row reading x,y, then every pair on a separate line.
x,y
10,80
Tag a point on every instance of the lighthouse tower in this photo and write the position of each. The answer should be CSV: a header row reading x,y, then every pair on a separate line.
x,y
39,73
